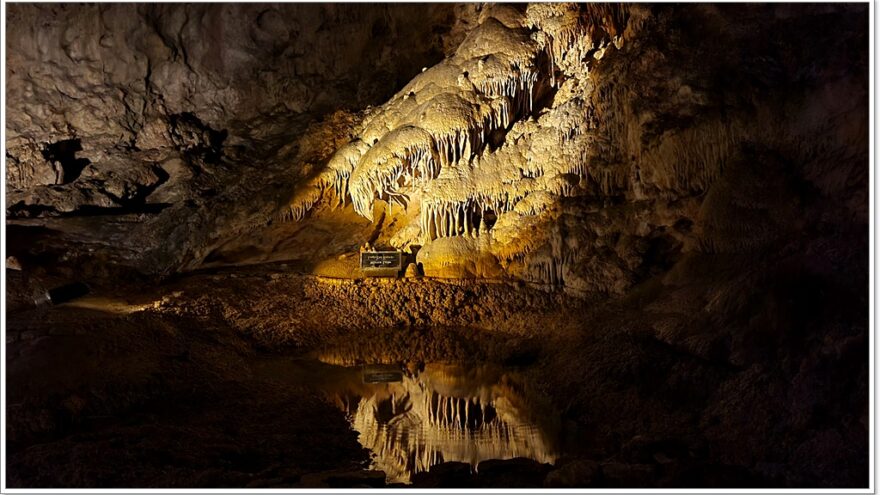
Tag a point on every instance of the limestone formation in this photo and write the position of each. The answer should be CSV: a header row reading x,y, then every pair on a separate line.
x,y
434,149
488,159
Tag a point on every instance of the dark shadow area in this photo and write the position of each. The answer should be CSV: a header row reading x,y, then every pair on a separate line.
x,y
195,138
489,218
63,153
135,208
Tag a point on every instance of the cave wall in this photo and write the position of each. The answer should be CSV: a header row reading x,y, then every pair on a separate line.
x,y
136,108
651,133
112,76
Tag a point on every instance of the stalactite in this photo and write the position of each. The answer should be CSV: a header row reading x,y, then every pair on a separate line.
x,y
518,85
435,145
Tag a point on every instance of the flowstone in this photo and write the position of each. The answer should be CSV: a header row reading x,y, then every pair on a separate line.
x,y
483,146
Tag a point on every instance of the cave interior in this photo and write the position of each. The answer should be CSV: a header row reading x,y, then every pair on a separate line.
x,y
632,243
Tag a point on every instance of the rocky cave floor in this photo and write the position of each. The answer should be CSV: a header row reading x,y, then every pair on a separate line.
x,y
147,384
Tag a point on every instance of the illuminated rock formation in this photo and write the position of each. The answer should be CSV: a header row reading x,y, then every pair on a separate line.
x,y
463,145
560,144
447,414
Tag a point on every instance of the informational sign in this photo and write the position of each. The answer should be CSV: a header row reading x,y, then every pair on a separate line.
x,y
381,260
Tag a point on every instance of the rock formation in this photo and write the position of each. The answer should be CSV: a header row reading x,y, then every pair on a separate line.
x,y
164,116
468,155
497,154
575,146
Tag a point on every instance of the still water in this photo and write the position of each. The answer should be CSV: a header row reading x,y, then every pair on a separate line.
x,y
413,418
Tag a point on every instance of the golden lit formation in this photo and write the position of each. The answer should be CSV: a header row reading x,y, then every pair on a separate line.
x,y
466,154
447,413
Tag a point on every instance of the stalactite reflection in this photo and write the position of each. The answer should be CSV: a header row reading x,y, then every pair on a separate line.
x,y
447,413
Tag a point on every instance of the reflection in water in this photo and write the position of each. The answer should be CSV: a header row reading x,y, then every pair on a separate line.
x,y
445,413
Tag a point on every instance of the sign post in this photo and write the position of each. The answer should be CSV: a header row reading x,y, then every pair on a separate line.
x,y
381,263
